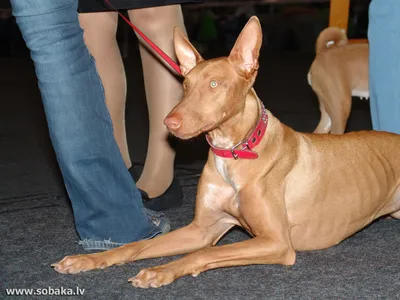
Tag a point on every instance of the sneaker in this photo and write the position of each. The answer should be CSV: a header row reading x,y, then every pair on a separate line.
x,y
159,220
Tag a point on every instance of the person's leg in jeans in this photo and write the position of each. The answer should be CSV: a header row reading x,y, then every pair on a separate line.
x,y
384,64
163,90
107,206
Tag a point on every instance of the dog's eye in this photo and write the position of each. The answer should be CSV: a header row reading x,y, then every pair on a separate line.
x,y
213,84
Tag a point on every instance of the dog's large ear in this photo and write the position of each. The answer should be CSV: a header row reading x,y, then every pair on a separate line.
x,y
186,53
245,52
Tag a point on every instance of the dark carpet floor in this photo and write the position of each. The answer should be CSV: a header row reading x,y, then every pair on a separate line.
x,y
36,225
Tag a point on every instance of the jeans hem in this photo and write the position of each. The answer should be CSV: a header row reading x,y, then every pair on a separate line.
x,y
91,244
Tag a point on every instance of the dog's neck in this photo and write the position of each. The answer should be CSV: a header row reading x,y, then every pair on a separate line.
x,y
238,127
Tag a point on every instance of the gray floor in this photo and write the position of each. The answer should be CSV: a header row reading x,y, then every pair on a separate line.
x,y
37,229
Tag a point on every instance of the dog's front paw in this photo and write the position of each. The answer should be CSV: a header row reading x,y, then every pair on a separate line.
x,y
153,277
80,263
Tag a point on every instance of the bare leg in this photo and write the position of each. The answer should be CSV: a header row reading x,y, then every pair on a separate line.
x,y
163,91
100,37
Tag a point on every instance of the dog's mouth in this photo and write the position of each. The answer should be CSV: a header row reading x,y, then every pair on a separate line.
x,y
208,127
185,136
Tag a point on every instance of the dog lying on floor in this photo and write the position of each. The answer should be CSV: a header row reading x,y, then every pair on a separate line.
x,y
339,71
291,191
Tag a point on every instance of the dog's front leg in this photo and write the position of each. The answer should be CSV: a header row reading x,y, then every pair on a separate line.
x,y
258,250
182,240
209,224
265,214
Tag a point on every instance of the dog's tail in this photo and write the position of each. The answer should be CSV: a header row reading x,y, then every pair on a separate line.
x,y
330,37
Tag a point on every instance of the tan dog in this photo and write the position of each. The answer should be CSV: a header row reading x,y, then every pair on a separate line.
x,y
291,191
339,71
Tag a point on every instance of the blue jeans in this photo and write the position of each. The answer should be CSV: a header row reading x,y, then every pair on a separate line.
x,y
107,206
384,64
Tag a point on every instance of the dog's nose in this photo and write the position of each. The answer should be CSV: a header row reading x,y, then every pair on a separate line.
x,y
173,122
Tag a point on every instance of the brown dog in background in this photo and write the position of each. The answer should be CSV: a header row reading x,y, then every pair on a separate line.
x,y
339,71
291,191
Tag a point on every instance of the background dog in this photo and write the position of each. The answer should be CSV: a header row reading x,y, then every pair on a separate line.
x,y
339,71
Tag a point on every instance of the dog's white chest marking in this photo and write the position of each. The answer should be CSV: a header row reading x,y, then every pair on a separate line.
x,y
363,94
211,198
217,198
221,167
223,142
220,164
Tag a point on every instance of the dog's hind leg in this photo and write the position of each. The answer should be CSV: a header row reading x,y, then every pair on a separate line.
x,y
391,209
339,108
395,204
325,122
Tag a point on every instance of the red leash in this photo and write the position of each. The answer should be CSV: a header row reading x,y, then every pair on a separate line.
x,y
161,53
